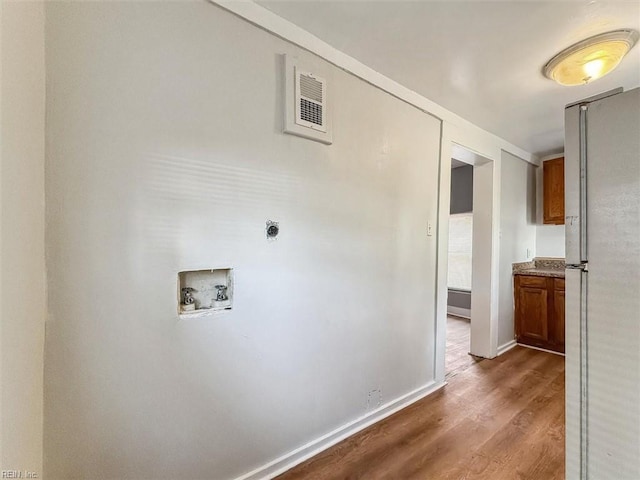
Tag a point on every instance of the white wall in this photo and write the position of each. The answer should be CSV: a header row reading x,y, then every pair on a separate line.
x,y
482,340
22,297
455,131
517,233
165,154
549,238
550,241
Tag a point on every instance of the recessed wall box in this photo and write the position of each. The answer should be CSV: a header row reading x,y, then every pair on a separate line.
x,y
205,292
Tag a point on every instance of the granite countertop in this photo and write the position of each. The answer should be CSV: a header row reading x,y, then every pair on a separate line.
x,y
541,267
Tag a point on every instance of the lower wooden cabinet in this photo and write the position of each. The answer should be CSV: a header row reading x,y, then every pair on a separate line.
x,y
539,311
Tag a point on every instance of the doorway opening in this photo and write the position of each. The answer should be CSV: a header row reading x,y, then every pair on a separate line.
x,y
471,293
459,272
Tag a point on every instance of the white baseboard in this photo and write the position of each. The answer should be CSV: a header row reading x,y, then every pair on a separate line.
x,y
506,347
299,455
459,312
541,349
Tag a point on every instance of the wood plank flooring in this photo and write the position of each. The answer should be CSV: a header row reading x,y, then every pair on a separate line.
x,y
457,358
500,419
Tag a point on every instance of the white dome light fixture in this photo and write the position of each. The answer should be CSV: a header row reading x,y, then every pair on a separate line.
x,y
591,58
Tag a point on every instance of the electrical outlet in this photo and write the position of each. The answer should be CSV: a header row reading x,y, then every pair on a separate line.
x,y
374,399
429,229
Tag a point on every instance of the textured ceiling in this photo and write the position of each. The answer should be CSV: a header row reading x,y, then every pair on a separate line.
x,y
481,60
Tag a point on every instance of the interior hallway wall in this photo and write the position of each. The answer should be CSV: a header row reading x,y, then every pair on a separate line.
x,y
517,233
165,153
549,238
22,283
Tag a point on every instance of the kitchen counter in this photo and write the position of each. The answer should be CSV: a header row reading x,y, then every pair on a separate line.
x,y
541,267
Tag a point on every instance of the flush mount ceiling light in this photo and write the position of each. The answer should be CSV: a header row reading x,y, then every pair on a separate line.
x,y
591,58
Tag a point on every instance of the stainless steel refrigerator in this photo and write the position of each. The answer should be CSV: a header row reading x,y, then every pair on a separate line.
x,y
602,225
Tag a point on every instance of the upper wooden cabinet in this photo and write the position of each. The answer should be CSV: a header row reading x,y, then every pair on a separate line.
x,y
553,191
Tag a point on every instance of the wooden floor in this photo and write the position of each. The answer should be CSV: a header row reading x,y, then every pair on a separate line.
x,y
500,419
457,358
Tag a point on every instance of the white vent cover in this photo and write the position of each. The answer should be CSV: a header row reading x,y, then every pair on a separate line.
x,y
310,101
307,110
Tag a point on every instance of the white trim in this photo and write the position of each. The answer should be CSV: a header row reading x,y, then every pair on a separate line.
x,y
290,32
486,248
459,312
289,460
442,255
541,349
506,347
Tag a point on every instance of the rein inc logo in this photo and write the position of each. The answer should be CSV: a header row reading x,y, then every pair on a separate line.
x,y
18,474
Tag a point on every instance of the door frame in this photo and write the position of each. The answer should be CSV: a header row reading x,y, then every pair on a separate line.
x,y
485,157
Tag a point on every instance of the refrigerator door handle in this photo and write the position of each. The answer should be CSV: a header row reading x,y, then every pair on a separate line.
x,y
583,185
573,184
577,375
584,378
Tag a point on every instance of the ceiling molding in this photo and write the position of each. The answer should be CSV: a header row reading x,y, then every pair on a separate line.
x,y
290,32
552,156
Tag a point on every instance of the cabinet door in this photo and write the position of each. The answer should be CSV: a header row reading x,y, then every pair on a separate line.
x,y
558,317
532,310
553,191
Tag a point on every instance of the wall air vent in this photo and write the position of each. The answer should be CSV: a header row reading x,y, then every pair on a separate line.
x,y
310,95
307,105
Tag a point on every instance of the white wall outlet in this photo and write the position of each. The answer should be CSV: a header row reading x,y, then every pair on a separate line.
x,y
429,229
374,399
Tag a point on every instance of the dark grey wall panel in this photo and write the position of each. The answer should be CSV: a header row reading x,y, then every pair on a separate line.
x,y
462,189
457,298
